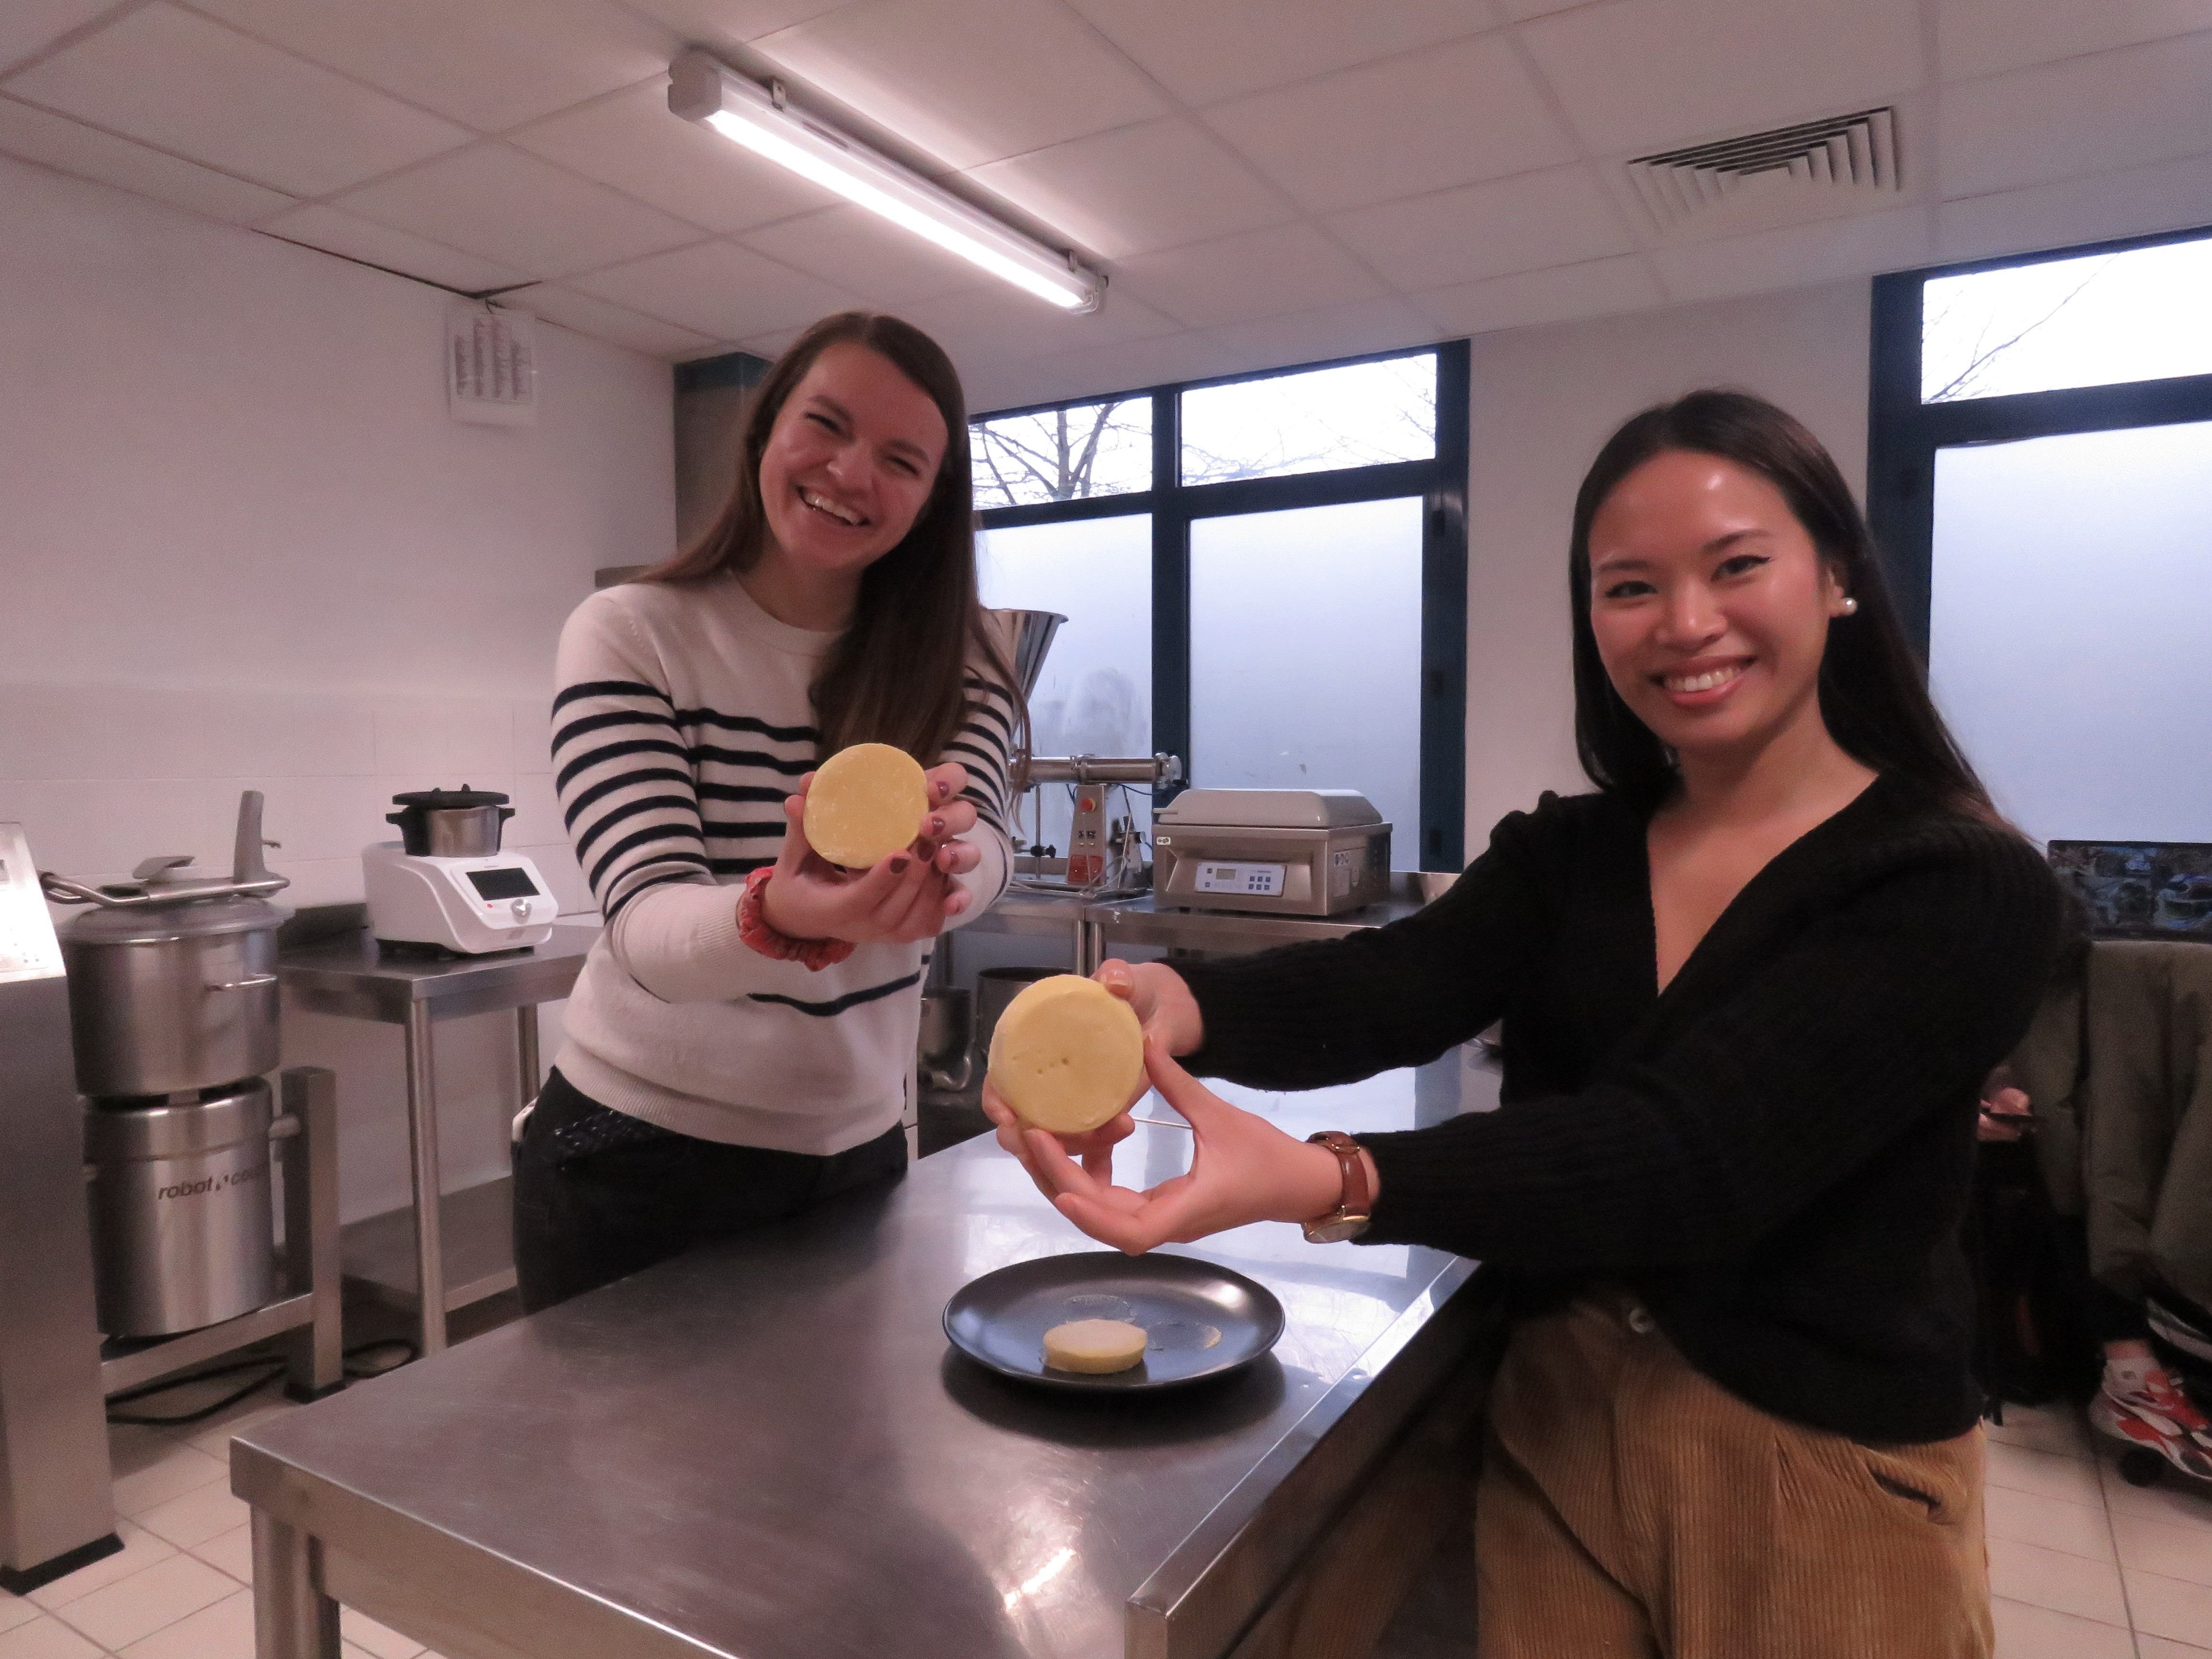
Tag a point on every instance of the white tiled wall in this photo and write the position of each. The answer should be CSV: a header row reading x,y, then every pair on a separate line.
x,y
244,545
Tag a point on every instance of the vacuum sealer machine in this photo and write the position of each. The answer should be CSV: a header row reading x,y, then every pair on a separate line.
x,y
1280,852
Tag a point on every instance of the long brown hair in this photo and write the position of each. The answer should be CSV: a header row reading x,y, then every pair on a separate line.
x,y
1873,688
897,673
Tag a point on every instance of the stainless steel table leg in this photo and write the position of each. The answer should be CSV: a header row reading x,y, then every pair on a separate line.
x,y
317,1358
422,1141
291,1619
526,1049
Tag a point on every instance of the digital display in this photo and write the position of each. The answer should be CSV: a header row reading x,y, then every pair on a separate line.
x,y
511,882
1265,879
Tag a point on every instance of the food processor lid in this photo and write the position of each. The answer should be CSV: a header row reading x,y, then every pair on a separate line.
x,y
185,918
449,800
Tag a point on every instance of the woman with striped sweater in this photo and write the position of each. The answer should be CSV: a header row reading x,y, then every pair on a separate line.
x,y
741,1041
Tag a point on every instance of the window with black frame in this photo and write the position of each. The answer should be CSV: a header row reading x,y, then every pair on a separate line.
x,y
2040,448
1265,575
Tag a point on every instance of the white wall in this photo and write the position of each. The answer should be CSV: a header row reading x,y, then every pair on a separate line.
x,y
1544,400
243,545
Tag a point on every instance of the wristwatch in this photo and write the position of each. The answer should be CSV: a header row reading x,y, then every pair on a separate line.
x,y
1357,1205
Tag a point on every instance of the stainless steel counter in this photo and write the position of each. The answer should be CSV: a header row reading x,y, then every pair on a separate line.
x,y
1144,921
765,1449
448,1248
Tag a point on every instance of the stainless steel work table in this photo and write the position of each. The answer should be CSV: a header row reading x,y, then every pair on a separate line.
x,y
350,976
765,1448
1117,923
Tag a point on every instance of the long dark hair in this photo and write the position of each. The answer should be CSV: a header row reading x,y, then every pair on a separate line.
x,y
1873,689
897,673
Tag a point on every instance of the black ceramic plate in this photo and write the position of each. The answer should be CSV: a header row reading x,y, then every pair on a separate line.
x,y
1199,1320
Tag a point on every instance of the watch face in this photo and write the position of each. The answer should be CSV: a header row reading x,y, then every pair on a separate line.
x,y
1335,1231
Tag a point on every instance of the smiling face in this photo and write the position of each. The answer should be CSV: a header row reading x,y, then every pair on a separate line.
x,y
1709,603
848,466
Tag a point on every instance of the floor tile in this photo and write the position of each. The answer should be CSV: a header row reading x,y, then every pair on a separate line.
x,y
142,1603
180,1469
132,1447
364,1631
232,1553
2173,1498
2157,1647
2054,1579
141,1549
224,1631
2055,1429
2026,1518
2045,1473
15,1610
2031,1633
45,1637
2172,1608
213,1436
205,1512
2161,1546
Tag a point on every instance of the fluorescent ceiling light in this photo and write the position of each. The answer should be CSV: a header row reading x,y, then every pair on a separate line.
x,y
700,89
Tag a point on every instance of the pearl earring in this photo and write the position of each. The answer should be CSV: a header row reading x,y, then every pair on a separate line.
x,y
1850,607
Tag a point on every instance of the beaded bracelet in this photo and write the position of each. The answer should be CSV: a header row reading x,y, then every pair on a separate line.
x,y
757,931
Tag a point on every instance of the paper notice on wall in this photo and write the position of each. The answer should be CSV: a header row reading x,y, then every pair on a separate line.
x,y
491,365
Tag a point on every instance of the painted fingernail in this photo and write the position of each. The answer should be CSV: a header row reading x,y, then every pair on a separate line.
x,y
899,864
936,826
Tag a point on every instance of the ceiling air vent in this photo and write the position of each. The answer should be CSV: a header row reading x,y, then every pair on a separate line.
x,y
1844,163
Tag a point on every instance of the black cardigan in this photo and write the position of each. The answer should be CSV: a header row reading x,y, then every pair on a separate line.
x,y
1774,1155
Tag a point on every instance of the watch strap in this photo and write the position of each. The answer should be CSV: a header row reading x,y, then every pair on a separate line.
x,y
1355,1202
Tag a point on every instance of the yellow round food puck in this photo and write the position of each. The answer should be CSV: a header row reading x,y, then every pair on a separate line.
x,y
1094,1345
1067,1054
866,803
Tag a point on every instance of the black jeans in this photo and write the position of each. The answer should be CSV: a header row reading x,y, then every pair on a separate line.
x,y
599,1195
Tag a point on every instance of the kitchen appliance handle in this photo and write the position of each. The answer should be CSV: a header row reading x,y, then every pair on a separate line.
x,y
254,982
63,890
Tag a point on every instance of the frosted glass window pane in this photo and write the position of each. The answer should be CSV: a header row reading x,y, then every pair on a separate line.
x,y
1064,454
1095,696
2069,638
2100,320
1358,415
1305,649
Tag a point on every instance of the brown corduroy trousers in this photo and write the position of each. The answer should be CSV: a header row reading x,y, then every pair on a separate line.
x,y
1628,1506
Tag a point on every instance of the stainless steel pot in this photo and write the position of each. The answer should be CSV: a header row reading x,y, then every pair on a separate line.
x,y
173,977
450,823
180,1212
947,1024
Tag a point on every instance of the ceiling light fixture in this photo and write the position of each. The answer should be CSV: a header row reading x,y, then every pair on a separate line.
x,y
762,120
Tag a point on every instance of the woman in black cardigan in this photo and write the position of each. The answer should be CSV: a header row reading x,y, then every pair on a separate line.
x,y
1750,987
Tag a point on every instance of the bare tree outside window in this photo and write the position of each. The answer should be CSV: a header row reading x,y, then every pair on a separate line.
x,y
1066,454
1356,415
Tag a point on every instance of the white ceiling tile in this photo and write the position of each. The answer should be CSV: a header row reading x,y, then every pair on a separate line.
x,y
2171,196
1522,10
1596,288
1223,47
730,23
32,26
631,141
1642,74
866,256
1261,273
1152,185
494,201
67,146
718,290
1555,217
488,63
1423,121
1987,37
1131,365
967,81
997,320
206,93
2089,115
1305,337
585,315
333,232
1803,254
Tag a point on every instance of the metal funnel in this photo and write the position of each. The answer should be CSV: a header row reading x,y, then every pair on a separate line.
x,y
1029,637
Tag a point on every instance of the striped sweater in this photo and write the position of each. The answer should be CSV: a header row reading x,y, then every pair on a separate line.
x,y
681,724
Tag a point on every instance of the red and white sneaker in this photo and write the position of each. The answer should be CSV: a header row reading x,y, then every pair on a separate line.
x,y
2153,1411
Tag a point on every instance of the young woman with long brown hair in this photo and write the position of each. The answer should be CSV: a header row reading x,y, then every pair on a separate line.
x,y
741,1041
1750,988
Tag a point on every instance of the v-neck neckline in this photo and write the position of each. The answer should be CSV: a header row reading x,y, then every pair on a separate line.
x,y
1736,906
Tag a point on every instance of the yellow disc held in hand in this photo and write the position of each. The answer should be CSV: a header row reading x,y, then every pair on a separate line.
x,y
1067,1054
866,803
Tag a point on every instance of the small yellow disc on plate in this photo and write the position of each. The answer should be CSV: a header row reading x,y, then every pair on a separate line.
x,y
1067,1054
866,803
1094,1345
